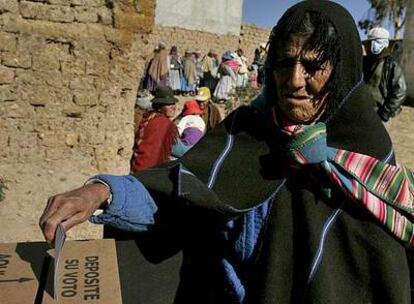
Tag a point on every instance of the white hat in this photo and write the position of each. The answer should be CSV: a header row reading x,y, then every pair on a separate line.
x,y
378,33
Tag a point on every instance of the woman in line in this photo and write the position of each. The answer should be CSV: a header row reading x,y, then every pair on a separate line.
x,y
158,69
189,77
228,71
175,70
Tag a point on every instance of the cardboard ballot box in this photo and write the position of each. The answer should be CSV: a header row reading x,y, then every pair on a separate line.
x,y
26,273
87,273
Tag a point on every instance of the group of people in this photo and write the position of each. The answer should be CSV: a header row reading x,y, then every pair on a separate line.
x,y
295,198
185,74
161,135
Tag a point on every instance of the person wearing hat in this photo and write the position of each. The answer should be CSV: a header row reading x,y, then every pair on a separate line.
x,y
228,70
383,74
210,69
191,128
211,114
156,133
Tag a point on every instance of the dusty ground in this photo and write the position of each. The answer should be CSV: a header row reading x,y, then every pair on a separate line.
x,y
29,186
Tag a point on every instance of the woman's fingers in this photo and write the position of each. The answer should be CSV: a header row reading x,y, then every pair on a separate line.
x,y
72,208
61,209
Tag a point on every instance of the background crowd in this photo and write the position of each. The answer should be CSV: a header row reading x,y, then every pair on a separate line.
x,y
221,74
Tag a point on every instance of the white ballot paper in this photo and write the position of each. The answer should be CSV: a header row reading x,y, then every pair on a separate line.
x,y
60,238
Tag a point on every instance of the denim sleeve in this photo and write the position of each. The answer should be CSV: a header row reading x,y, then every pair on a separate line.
x,y
132,207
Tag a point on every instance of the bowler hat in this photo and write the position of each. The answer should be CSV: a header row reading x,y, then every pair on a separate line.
x,y
164,95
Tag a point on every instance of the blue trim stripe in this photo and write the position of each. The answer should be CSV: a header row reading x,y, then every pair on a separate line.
x,y
319,254
220,160
389,156
185,171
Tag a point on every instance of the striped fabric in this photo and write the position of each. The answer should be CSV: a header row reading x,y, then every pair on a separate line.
x,y
386,191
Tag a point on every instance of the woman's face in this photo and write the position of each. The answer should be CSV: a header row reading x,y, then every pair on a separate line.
x,y
168,110
299,79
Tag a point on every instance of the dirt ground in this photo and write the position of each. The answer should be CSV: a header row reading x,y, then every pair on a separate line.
x,y
29,186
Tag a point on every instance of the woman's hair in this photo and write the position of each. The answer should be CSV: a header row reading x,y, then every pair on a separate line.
x,y
157,106
323,39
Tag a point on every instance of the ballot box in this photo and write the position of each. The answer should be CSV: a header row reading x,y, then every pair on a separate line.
x,y
92,271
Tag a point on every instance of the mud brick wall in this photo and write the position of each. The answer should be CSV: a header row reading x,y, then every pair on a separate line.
x,y
250,38
68,78
68,81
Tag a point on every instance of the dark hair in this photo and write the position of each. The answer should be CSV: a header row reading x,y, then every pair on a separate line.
x,y
323,39
157,106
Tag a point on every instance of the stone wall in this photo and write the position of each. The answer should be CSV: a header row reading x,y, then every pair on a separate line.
x,y
250,38
69,72
67,78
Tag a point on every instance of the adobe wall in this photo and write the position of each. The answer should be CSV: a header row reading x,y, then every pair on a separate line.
x,y
68,74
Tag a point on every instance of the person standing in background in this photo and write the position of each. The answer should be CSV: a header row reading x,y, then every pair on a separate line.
x,y
189,77
210,69
158,69
383,75
228,70
174,70
242,76
199,67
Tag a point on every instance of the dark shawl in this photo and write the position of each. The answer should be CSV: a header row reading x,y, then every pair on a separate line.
x,y
361,263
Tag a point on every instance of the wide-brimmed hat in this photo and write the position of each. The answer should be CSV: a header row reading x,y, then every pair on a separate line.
x,y
191,107
164,95
203,94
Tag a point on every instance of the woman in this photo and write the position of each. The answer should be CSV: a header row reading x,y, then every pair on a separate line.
x,y
210,68
280,203
156,133
158,68
242,76
228,71
191,128
175,70
189,79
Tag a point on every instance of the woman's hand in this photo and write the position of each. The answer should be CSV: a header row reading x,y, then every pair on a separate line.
x,y
72,208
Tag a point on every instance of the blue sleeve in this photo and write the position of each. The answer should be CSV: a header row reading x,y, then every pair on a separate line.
x,y
179,148
132,207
